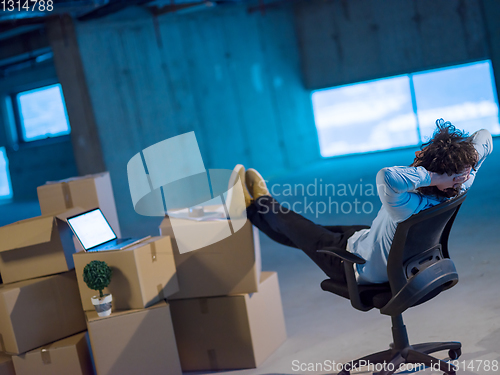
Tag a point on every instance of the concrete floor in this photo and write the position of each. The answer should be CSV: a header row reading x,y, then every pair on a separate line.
x,y
322,326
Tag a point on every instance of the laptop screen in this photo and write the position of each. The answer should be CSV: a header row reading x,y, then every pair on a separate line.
x,y
91,228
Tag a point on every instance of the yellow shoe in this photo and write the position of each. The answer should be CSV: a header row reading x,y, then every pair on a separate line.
x,y
256,184
239,172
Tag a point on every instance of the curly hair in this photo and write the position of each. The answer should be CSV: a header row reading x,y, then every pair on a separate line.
x,y
449,151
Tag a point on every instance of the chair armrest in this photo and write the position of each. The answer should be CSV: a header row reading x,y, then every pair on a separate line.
x,y
342,254
350,260
352,287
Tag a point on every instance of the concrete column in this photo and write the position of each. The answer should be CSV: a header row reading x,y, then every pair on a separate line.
x,y
67,59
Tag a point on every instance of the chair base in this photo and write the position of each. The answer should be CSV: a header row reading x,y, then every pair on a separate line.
x,y
389,361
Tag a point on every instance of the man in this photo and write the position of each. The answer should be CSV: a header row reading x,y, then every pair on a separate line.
x,y
445,167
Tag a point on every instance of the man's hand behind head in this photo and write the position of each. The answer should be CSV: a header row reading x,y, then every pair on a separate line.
x,y
454,181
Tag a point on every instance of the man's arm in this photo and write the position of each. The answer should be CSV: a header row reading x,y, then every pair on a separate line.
x,y
483,143
395,187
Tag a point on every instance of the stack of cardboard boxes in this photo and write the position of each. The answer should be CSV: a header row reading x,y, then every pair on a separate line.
x,y
208,309
42,323
227,314
36,310
138,336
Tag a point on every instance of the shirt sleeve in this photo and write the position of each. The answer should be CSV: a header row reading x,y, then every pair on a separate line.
x,y
396,186
483,143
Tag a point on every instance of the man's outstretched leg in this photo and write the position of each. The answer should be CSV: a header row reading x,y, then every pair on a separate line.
x,y
289,228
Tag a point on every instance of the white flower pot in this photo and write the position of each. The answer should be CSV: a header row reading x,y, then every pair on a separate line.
x,y
102,305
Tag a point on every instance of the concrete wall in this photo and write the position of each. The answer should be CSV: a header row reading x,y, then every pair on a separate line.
x,y
350,41
32,164
491,12
231,76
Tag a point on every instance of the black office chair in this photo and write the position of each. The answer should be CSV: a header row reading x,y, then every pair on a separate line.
x,y
419,268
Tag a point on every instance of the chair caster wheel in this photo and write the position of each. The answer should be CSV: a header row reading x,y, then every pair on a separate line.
x,y
451,373
454,354
344,372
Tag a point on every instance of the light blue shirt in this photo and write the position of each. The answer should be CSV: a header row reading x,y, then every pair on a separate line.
x,y
397,190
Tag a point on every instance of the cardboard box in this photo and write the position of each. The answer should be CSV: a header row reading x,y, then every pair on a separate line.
x,y
37,247
6,365
230,266
67,356
232,332
134,342
143,274
37,312
87,192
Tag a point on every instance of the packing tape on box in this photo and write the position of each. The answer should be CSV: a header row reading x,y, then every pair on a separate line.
x,y
204,305
68,202
153,251
46,356
212,358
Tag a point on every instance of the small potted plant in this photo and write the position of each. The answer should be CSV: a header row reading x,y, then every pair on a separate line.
x,y
97,276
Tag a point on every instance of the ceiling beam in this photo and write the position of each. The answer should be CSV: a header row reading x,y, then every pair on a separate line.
x,y
23,44
10,24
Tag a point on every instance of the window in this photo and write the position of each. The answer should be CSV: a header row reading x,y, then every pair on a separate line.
x,y
401,111
5,186
463,95
41,113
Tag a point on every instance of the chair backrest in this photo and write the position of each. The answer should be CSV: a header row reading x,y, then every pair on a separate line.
x,y
421,242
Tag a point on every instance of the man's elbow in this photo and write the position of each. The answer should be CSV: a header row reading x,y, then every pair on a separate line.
x,y
383,180
484,141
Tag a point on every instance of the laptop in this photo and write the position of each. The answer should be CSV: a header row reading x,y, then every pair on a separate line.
x,y
95,234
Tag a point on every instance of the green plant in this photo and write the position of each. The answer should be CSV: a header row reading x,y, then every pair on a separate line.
x,y
97,276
